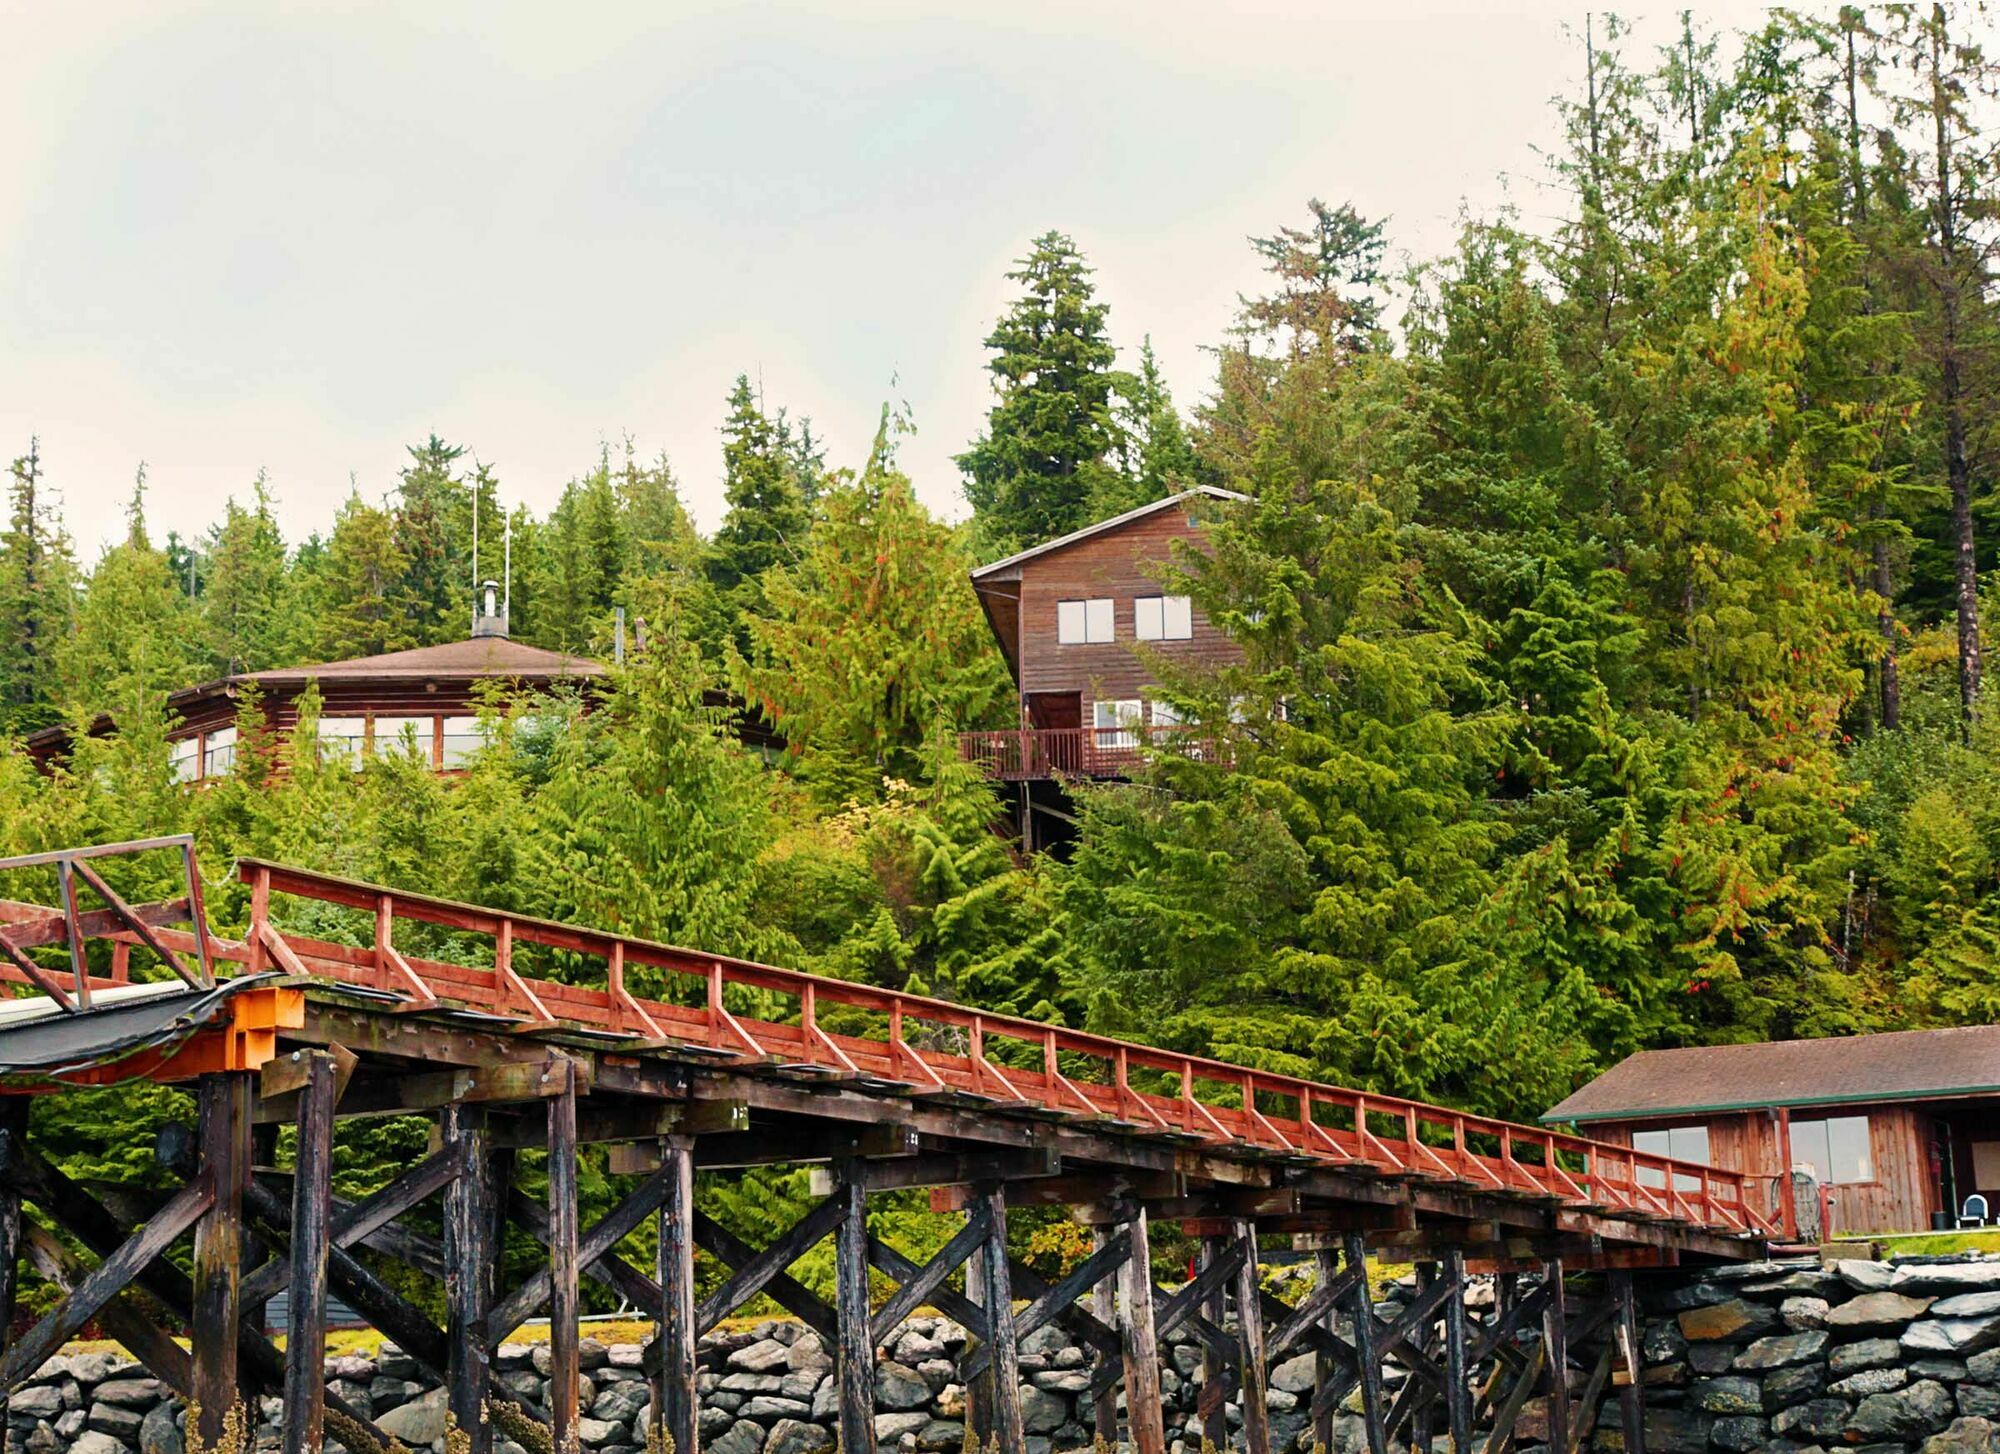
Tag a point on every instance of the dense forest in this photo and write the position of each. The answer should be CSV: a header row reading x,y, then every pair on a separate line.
x,y
1611,590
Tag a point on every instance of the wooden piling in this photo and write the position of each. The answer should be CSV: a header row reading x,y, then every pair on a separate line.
x,y
1457,1374
1250,1342
1631,1390
1144,1417
855,1363
1214,1398
565,1307
1362,1310
1005,1343
674,1401
13,1139
468,1256
224,1098
1104,1302
1555,1338
302,1424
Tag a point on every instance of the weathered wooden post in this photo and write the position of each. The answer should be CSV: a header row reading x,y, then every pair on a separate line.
x,y
1423,1339
1144,1416
854,1367
224,1097
674,1405
1457,1375
1004,1342
1250,1343
1555,1338
1363,1313
1325,1370
1631,1366
468,1273
1104,1300
303,1422
565,1306
1213,1405
13,1143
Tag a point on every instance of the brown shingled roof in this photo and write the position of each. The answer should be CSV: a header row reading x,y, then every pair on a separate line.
x,y
481,656
1904,1065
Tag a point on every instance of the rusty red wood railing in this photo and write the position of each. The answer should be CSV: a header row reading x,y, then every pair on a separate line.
x,y
1025,753
928,1047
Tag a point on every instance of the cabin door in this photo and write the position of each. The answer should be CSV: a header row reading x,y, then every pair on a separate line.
x,y
1944,1169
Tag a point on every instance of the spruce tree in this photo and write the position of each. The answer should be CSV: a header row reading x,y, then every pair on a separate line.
x,y
364,608
1048,452
246,602
136,632
37,596
768,517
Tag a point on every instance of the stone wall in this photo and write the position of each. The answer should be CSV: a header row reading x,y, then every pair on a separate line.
x,y
1887,1358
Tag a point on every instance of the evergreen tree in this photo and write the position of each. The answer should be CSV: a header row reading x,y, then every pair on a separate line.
x,y
432,517
1047,456
1156,456
37,598
768,516
363,608
246,599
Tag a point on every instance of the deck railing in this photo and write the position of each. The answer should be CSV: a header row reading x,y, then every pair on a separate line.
x,y
1032,753
760,1015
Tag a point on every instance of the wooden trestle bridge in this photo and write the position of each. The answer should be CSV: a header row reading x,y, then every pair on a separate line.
x,y
513,1032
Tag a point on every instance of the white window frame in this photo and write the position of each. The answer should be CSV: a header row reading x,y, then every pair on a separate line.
x,y
218,752
387,734
1813,1144
457,730
1090,622
1163,618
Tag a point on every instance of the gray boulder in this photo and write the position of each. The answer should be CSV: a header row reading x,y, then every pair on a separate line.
x,y
1821,1418
1946,1278
1801,1313
1958,1336
1977,1400
760,1357
1043,1412
796,1436
1871,1381
1877,1310
1782,1351
1794,1385
418,1423
891,1427
620,1402
770,1409
96,1442
119,1422
745,1436
1965,1436
1967,1305
1869,1353
1909,1413
161,1432
1739,1433
898,1388
1729,1396
129,1393
36,1401
1294,1375
1865,1276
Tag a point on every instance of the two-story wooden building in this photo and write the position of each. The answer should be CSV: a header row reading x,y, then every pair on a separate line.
x,y
1898,1129
1081,620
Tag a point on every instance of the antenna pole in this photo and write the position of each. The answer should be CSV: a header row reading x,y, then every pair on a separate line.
x,y
475,551
507,570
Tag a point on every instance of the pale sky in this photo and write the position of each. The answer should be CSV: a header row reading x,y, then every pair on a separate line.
x,y
299,236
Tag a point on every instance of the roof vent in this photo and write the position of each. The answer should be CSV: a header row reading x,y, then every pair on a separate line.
x,y
491,617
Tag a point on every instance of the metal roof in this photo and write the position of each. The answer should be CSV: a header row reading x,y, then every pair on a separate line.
x,y
1901,1065
1211,492
39,1038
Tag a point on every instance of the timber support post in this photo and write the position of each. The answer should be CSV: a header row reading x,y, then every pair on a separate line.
x,y
303,1422
1632,1379
468,1272
1104,1302
1143,1414
565,1306
1370,1368
674,1403
13,1140
224,1098
1005,1344
854,1369
1325,1370
1212,1402
1555,1338
1250,1341
1457,1373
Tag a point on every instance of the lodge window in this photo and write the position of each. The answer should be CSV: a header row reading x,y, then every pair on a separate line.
x,y
405,734
218,754
462,738
1162,618
1836,1149
339,739
1164,715
1680,1143
1084,623
184,756
1117,724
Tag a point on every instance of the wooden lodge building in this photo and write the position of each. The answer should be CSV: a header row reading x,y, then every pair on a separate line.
x,y
1898,1130
1079,619
367,703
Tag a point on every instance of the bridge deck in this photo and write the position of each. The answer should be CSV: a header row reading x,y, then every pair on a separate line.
x,y
516,1032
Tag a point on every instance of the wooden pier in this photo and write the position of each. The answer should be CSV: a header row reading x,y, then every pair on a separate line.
x,y
512,1032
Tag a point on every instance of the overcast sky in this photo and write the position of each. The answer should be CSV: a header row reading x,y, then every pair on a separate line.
x,y
300,236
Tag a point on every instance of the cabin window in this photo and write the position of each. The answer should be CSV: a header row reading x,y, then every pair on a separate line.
x,y
1681,1143
404,734
218,754
1164,715
1117,724
1162,618
462,738
340,740
1836,1149
1084,623
183,756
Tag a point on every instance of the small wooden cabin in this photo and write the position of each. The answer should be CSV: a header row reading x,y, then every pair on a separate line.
x,y
1899,1129
422,698
1078,619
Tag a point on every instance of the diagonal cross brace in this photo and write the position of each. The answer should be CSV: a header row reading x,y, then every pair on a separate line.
x,y
618,1224
1179,1307
1063,1294
783,1289
753,1276
911,1295
362,1220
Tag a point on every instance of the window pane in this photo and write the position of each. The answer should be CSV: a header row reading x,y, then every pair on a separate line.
x,y
462,738
1165,716
340,739
1116,723
1148,621
182,756
1652,1143
1069,623
404,734
1847,1149
1809,1148
220,754
1179,618
1099,621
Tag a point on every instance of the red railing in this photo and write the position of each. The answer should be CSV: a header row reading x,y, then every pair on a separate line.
x,y
1051,752
761,1015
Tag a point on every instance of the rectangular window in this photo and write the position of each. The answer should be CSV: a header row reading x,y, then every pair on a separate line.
x,y
462,738
1162,618
1117,724
340,740
1164,715
184,756
404,734
218,755
1084,623
1681,1143
1836,1149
